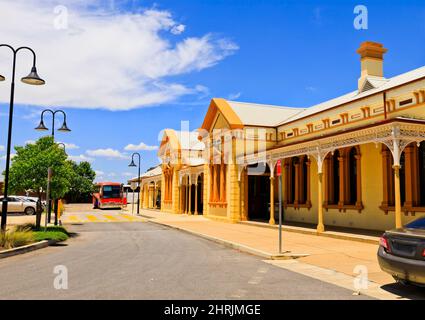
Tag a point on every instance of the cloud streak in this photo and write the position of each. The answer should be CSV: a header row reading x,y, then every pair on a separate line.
x,y
139,147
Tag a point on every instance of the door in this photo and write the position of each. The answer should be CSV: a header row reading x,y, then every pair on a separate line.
x,y
15,205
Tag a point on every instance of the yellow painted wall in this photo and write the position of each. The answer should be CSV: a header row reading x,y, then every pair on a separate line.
x,y
371,217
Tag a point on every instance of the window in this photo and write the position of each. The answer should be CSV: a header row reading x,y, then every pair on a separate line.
x,y
110,192
421,163
412,179
353,177
343,179
297,182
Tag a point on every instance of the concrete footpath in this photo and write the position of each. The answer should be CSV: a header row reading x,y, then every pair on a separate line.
x,y
334,260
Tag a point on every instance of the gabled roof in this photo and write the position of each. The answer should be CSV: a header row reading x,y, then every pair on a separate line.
x,y
352,96
181,140
221,105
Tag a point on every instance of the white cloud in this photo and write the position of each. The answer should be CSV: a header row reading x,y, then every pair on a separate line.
x,y
178,29
107,153
70,146
30,142
128,174
234,96
117,61
140,146
99,173
2,148
80,158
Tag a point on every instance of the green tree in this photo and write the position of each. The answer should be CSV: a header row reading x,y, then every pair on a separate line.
x,y
28,170
81,183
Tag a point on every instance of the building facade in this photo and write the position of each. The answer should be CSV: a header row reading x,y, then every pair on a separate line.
x,y
356,161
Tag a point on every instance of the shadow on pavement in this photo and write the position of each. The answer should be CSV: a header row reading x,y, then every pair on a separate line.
x,y
405,291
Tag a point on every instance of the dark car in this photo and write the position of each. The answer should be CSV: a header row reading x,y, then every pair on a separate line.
x,y
401,253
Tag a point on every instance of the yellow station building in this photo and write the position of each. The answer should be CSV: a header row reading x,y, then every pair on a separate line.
x,y
356,161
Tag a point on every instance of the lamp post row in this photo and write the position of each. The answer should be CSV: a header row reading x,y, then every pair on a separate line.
x,y
33,79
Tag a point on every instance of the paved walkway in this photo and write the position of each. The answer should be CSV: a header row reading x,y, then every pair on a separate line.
x,y
343,256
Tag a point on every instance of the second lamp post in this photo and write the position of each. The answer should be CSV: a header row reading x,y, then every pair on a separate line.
x,y
63,128
132,164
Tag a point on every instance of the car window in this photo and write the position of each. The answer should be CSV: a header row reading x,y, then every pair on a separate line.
x,y
417,224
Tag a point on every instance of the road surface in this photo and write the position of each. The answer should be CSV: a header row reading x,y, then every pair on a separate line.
x,y
140,260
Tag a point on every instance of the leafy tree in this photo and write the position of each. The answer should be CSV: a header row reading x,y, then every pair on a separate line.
x,y
28,170
81,182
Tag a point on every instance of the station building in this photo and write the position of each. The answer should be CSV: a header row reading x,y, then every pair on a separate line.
x,y
356,161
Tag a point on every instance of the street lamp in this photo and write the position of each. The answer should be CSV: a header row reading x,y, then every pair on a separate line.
x,y
132,164
42,127
63,146
34,79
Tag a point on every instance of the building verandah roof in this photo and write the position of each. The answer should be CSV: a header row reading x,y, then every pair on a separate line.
x,y
396,134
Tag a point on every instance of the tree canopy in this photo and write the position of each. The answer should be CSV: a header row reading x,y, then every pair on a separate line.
x,y
28,170
81,182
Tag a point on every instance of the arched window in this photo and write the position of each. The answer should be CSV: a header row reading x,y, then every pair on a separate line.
x,y
334,194
342,179
297,182
294,164
304,180
421,155
402,178
352,183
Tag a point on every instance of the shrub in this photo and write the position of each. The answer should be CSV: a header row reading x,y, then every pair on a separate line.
x,y
14,238
50,235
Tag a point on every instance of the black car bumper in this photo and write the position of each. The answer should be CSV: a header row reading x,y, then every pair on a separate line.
x,y
402,268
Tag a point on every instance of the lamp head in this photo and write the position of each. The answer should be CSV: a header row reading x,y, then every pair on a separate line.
x,y
41,126
64,128
132,164
33,78
2,78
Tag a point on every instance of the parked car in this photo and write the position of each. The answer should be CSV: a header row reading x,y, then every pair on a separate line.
x,y
32,199
20,205
401,253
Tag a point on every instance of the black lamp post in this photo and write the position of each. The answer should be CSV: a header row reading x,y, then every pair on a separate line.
x,y
32,79
132,164
64,128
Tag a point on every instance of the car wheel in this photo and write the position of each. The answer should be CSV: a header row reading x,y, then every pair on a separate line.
x,y
29,211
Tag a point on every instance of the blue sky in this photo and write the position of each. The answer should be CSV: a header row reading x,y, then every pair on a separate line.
x,y
292,53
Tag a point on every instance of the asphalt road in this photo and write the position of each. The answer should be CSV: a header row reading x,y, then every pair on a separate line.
x,y
140,260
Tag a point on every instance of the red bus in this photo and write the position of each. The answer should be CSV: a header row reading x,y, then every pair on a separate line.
x,y
108,195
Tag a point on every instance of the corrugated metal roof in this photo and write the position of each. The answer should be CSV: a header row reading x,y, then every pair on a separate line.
x,y
262,114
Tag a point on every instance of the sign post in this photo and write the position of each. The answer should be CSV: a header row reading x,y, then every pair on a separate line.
x,y
279,176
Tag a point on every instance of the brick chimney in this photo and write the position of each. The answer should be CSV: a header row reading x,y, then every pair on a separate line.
x,y
372,62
